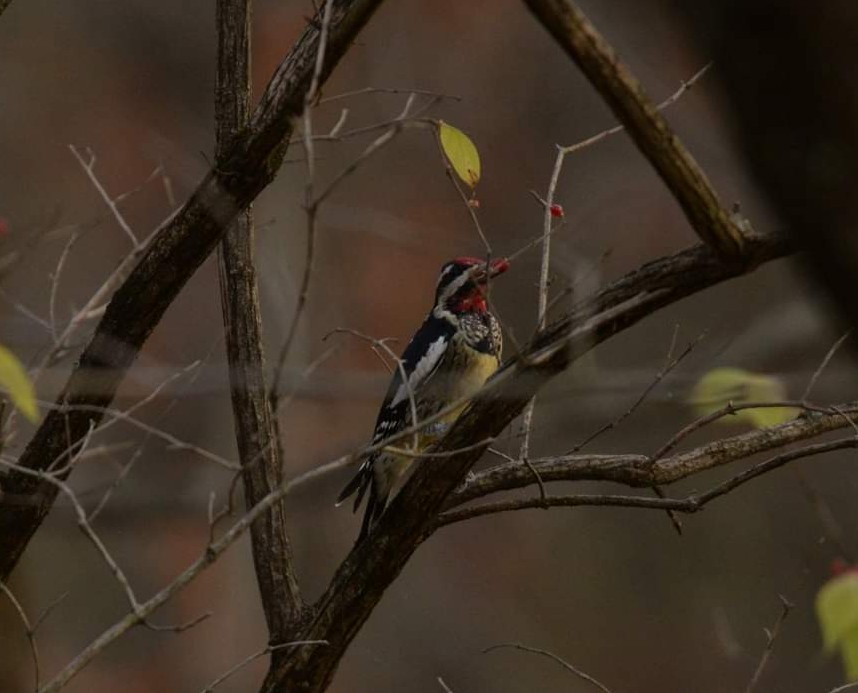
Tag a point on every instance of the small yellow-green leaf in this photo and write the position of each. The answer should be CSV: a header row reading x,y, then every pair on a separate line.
x,y
837,612
460,152
721,386
14,379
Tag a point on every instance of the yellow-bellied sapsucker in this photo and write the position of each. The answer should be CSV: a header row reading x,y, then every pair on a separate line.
x,y
448,359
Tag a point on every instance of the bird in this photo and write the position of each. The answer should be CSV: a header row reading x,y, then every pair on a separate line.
x,y
449,358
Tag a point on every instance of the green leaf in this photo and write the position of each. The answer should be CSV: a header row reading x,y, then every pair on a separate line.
x,y
837,613
460,152
14,379
721,386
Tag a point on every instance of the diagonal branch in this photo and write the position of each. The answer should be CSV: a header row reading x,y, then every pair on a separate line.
x,y
255,429
249,164
626,98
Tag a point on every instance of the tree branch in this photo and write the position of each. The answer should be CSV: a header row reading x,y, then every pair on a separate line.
x,y
690,504
255,429
642,471
626,98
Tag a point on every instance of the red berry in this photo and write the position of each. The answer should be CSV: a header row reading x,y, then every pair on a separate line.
x,y
557,211
840,567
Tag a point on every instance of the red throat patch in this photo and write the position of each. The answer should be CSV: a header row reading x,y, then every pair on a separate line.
x,y
476,302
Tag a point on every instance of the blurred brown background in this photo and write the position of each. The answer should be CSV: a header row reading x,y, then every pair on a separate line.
x,y
616,592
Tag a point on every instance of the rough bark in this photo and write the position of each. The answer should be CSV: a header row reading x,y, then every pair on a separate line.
x,y
255,430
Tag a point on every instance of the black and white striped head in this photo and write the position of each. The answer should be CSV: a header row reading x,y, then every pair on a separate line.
x,y
462,284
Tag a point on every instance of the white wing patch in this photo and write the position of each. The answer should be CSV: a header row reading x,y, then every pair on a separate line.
x,y
422,368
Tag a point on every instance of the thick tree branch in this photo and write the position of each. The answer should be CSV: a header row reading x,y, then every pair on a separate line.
x,y
689,504
372,565
644,471
250,163
626,98
255,429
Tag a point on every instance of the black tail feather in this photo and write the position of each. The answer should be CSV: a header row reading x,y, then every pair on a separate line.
x,y
362,482
358,484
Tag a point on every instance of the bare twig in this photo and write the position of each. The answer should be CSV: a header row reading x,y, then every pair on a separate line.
x,y
468,202
671,364
728,410
29,631
443,685
771,637
386,90
256,655
670,100
49,609
545,653
649,130
209,555
313,202
89,169
55,282
830,526
825,361
845,687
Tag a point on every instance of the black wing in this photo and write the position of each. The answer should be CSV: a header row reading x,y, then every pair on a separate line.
x,y
419,361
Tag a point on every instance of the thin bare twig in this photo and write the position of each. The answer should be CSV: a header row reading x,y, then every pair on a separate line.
x,y
825,361
174,442
670,100
55,282
649,130
313,202
386,90
444,686
29,631
468,202
830,526
209,555
562,662
89,169
728,410
771,637
669,366
256,655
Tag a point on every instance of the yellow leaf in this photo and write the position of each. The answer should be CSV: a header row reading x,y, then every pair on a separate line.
x,y
721,386
837,613
14,379
460,152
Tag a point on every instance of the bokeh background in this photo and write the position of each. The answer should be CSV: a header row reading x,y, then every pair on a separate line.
x,y
616,592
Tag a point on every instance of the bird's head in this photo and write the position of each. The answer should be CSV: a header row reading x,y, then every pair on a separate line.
x,y
462,284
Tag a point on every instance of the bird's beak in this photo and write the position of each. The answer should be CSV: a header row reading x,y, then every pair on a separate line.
x,y
496,267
